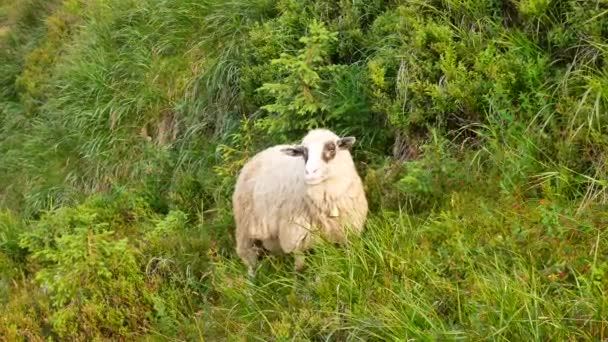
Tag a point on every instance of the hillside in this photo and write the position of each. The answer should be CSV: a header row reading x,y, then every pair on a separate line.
x,y
481,139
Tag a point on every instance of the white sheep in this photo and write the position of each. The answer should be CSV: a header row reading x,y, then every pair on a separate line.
x,y
286,194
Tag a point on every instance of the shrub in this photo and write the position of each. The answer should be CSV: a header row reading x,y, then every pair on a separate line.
x,y
481,139
90,269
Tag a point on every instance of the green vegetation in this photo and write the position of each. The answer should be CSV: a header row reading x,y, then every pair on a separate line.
x,y
482,141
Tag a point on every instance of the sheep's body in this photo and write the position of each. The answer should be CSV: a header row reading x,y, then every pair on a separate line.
x,y
275,207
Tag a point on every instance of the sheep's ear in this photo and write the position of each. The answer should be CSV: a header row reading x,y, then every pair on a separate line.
x,y
295,151
346,142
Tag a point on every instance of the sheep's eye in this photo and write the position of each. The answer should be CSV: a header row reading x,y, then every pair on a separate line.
x,y
329,151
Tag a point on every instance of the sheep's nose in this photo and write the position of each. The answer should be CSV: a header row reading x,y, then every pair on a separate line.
x,y
313,172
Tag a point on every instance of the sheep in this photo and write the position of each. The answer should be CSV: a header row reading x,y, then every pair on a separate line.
x,y
287,197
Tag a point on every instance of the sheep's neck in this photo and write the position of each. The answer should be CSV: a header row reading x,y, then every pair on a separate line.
x,y
326,196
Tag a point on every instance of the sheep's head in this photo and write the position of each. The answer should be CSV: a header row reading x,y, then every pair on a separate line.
x,y
321,151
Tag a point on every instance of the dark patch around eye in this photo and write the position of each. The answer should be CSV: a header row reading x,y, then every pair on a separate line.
x,y
305,154
329,151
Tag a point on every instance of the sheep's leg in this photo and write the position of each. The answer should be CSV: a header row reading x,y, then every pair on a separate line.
x,y
294,238
299,261
249,255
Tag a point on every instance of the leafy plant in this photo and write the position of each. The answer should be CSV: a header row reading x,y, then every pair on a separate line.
x,y
480,137
300,101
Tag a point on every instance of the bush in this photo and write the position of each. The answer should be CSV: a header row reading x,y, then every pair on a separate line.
x,y
481,141
89,269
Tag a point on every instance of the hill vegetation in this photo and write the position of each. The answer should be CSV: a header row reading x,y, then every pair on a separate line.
x,y
482,141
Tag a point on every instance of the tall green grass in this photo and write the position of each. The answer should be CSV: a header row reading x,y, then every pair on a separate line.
x,y
481,141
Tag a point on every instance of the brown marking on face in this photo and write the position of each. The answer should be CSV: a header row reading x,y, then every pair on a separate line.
x,y
329,151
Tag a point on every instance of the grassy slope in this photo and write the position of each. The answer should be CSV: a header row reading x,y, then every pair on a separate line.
x,y
123,124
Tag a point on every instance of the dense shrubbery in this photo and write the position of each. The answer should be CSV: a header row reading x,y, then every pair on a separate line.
x,y
481,138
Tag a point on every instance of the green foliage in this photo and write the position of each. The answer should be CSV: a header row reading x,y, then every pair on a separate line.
x,y
475,269
433,178
89,271
299,101
104,269
481,140
12,256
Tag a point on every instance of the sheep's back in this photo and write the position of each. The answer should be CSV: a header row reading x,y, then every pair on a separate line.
x,y
269,189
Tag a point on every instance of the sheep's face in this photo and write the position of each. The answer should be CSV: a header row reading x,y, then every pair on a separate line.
x,y
319,155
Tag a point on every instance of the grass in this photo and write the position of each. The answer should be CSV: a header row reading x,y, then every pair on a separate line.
x,y
481,143
473,270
